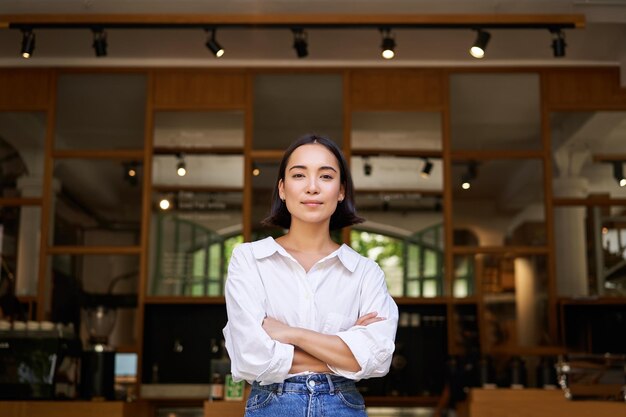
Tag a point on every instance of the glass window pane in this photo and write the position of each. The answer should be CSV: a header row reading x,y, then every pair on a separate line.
x,y
504,204
200,171
396,130
194,224
590,250
98,203
262,190
495,111
287,106
585,146
464,276
22,138
412,289
413,261
516,300
78,283
215,260
387,251
19,248
199,129
396,173
100,111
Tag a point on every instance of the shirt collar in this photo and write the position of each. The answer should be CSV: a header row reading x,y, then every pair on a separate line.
x,y
267,247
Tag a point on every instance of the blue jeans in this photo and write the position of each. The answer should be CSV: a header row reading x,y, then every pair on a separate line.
x,y
315,395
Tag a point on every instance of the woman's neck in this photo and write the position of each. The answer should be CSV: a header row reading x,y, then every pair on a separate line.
x,y
308,239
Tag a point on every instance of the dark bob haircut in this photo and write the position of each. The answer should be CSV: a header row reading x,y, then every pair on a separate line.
x,y
344,215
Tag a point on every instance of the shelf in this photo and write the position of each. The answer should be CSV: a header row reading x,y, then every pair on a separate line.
x,y
182,299
598,301
74,409
472,299
420,153
195,189
504,250
528,351
20,201
388,191
402,401
536,403
128,154
224,408
209,150
421,300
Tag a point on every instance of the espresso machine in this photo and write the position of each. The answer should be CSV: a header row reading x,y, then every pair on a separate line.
x,y
98,359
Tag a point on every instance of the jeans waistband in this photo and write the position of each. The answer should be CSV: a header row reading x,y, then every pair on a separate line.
x,y
320,383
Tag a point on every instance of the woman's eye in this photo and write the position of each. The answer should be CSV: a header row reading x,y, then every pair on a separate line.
x,y
327,177
297,176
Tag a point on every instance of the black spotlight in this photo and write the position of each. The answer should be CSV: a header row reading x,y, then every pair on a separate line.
x,y
181,166
427,169
618,173
388,45
100,42
300,43
214,46
558,43
480,45
367,167
469,176
28,43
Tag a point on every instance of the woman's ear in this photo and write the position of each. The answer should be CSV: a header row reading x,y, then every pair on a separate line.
x,y
281,189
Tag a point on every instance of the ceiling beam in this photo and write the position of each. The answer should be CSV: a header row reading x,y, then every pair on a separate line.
x,y
516,21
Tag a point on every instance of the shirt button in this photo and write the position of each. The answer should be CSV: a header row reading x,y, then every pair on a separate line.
x,y
311,383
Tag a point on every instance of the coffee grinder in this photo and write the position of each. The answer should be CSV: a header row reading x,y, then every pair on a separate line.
x,y
98,359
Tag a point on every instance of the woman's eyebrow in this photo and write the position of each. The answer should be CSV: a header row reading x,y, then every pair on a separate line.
x,y
304,167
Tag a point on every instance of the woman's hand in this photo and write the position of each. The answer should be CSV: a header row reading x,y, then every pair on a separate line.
x,y
368,319
277,330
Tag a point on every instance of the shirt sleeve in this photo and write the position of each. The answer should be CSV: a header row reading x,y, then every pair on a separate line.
x,y
372,345
254,355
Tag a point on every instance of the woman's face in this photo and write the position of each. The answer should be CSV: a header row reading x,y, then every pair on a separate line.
x,y
312,185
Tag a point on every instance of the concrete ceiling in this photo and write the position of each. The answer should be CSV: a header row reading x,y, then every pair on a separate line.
x,y
602,41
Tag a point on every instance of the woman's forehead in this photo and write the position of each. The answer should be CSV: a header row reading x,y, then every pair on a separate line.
x,y
312,154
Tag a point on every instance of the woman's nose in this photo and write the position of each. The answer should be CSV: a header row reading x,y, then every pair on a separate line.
x,y
312,187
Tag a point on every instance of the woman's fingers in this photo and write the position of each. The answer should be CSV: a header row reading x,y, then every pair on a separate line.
x,y
368,318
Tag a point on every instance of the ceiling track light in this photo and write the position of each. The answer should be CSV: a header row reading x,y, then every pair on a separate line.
x,y
181,167
256,171
214,46
367,167
100,42
427,168
618,173
300,42
389,44
480,45
469,175
28,43
558,43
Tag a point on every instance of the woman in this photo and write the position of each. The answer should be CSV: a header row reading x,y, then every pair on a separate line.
x,y
306,316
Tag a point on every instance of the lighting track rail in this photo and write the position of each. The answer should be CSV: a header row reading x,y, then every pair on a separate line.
x,y
298,24
325,21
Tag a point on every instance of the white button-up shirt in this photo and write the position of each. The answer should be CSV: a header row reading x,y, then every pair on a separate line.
x,y
264,280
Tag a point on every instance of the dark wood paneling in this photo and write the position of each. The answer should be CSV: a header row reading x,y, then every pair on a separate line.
x,y
24,89
397,90
186,90
584,88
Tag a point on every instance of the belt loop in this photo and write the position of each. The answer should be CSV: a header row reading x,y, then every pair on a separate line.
x,y
280,388
331,387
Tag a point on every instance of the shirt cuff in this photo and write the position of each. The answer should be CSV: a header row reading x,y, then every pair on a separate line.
x,y
369,354
280,365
